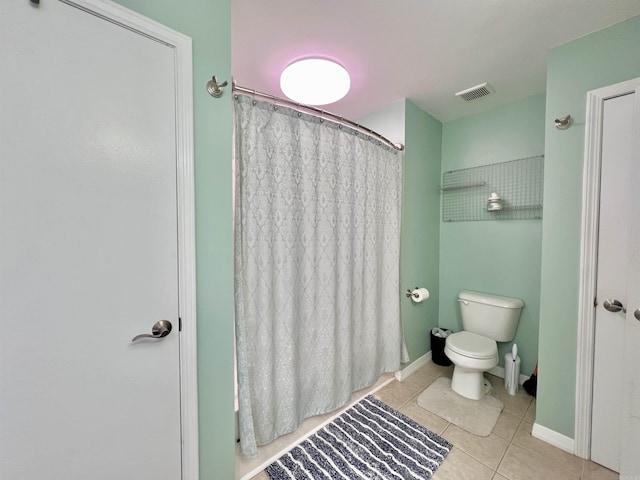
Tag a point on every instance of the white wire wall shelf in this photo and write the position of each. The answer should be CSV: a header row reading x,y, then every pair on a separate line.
x,y
469,185
518,184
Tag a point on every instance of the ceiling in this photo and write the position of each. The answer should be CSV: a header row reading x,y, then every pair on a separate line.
x,y
422,50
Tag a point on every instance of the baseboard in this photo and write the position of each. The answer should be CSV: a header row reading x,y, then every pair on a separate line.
x,y
499,372
413,367
553,438
426,358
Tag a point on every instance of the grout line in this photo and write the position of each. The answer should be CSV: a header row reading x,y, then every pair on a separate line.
x,y
513,437
511,443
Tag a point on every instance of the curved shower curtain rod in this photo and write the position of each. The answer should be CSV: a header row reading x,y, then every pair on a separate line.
x,y
215,90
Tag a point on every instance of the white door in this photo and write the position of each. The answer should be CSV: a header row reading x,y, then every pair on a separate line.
x,y
613,260
630,442
88,249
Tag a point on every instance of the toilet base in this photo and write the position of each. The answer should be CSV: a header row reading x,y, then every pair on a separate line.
x,y
470,384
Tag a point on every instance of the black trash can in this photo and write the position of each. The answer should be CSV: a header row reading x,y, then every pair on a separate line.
x,y
437,350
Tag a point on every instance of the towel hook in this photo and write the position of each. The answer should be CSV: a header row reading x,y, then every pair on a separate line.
x,y
214,88
564,122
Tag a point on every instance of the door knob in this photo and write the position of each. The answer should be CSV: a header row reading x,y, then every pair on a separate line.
x,y
637,314
614,306
160,329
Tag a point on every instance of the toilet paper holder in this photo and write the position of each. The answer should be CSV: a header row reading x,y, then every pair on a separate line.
x,y
418,295
410,293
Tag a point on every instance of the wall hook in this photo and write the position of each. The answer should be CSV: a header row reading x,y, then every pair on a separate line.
x,y
564,123
214,88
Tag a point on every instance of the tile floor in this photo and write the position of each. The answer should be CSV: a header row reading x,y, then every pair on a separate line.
x,y
509,453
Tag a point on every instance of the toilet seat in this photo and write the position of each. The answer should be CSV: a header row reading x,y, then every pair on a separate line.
x,y
472,345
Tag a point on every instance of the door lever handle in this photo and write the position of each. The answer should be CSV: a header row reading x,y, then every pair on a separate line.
x,y
159,330
614,306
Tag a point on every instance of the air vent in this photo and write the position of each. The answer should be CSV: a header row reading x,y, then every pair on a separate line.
x,y
476,92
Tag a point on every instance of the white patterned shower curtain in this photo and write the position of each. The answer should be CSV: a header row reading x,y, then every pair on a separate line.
x,y
317,246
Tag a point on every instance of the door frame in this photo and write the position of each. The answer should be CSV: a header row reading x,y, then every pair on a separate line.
x,y
589,259
182,46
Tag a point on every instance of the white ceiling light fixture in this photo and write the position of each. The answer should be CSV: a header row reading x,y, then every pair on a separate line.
x,y
315,81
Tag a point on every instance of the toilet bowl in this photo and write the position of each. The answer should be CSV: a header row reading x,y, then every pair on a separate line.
x,y
472,354
486,320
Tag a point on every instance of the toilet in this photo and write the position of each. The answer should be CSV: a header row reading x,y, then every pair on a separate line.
x,y
486,319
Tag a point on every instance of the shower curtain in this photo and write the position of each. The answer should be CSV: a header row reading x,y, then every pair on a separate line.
x,y
317,244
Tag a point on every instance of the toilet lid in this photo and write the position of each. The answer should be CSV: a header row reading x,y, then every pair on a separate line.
x,y
472,345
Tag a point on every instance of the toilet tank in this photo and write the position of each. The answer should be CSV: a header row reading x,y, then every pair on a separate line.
x,y
490,315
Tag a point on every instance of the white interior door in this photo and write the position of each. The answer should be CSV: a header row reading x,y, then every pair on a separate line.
x,y
613,261
88,248
630,458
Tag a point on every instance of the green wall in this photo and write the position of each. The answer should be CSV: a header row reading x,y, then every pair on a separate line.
x,y
498,257
208,23
420,236
597,60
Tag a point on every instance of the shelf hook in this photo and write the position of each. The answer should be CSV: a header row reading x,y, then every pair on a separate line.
x,y
214,88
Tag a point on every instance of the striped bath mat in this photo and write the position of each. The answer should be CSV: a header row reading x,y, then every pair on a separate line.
x,y
369,440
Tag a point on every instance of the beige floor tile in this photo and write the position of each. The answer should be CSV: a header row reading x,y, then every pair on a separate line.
x,y
551,454
593,471
261,476
514,404
395,394
433,370
521,464
488,450
419,380
506,426
497,476
424,417
460,466
530,415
